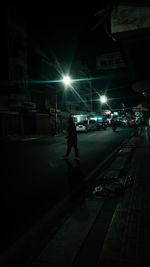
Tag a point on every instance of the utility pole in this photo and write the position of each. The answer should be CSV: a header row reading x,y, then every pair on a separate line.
x,y
56,106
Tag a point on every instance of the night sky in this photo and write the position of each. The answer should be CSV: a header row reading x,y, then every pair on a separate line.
x,y
66,30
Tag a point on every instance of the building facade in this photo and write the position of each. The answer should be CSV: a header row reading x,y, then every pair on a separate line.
x,y
30,94
13,55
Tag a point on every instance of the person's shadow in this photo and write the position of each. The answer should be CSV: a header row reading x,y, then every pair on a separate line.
x,y
75,178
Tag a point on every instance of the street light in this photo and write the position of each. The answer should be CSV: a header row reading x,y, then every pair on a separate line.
x,y
66,80
103,99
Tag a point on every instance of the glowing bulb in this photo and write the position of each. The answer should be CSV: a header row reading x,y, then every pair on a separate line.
x,y
67,80
103,99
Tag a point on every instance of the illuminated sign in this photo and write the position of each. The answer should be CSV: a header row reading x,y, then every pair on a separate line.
x,y
110,61
129,18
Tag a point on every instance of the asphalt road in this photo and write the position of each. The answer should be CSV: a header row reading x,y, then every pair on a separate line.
x,y
34,177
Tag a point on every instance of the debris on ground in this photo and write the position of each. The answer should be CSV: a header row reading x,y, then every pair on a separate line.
x,y
111,187
108,189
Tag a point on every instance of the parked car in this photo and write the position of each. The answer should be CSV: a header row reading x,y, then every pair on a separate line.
x,y
81,127
91,125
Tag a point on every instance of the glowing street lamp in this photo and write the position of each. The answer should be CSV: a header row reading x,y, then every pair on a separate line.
x,y
67,80
103,99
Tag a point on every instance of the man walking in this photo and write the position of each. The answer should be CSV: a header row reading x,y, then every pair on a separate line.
x,y
71,139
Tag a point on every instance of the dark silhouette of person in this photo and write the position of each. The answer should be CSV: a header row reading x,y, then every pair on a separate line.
x,y
114,123
71,139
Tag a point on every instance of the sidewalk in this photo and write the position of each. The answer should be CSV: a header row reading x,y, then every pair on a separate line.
x,y
128,239
107,232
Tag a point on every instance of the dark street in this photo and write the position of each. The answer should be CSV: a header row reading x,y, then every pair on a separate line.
x,y
75,77
35,178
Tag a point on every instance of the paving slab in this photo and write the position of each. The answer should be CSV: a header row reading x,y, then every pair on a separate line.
x,y
64,246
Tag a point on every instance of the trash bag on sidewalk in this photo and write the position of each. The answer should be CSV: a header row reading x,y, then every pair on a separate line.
x,y
108,189
113,187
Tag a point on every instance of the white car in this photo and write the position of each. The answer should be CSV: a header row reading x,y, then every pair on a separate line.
x,y
81,127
